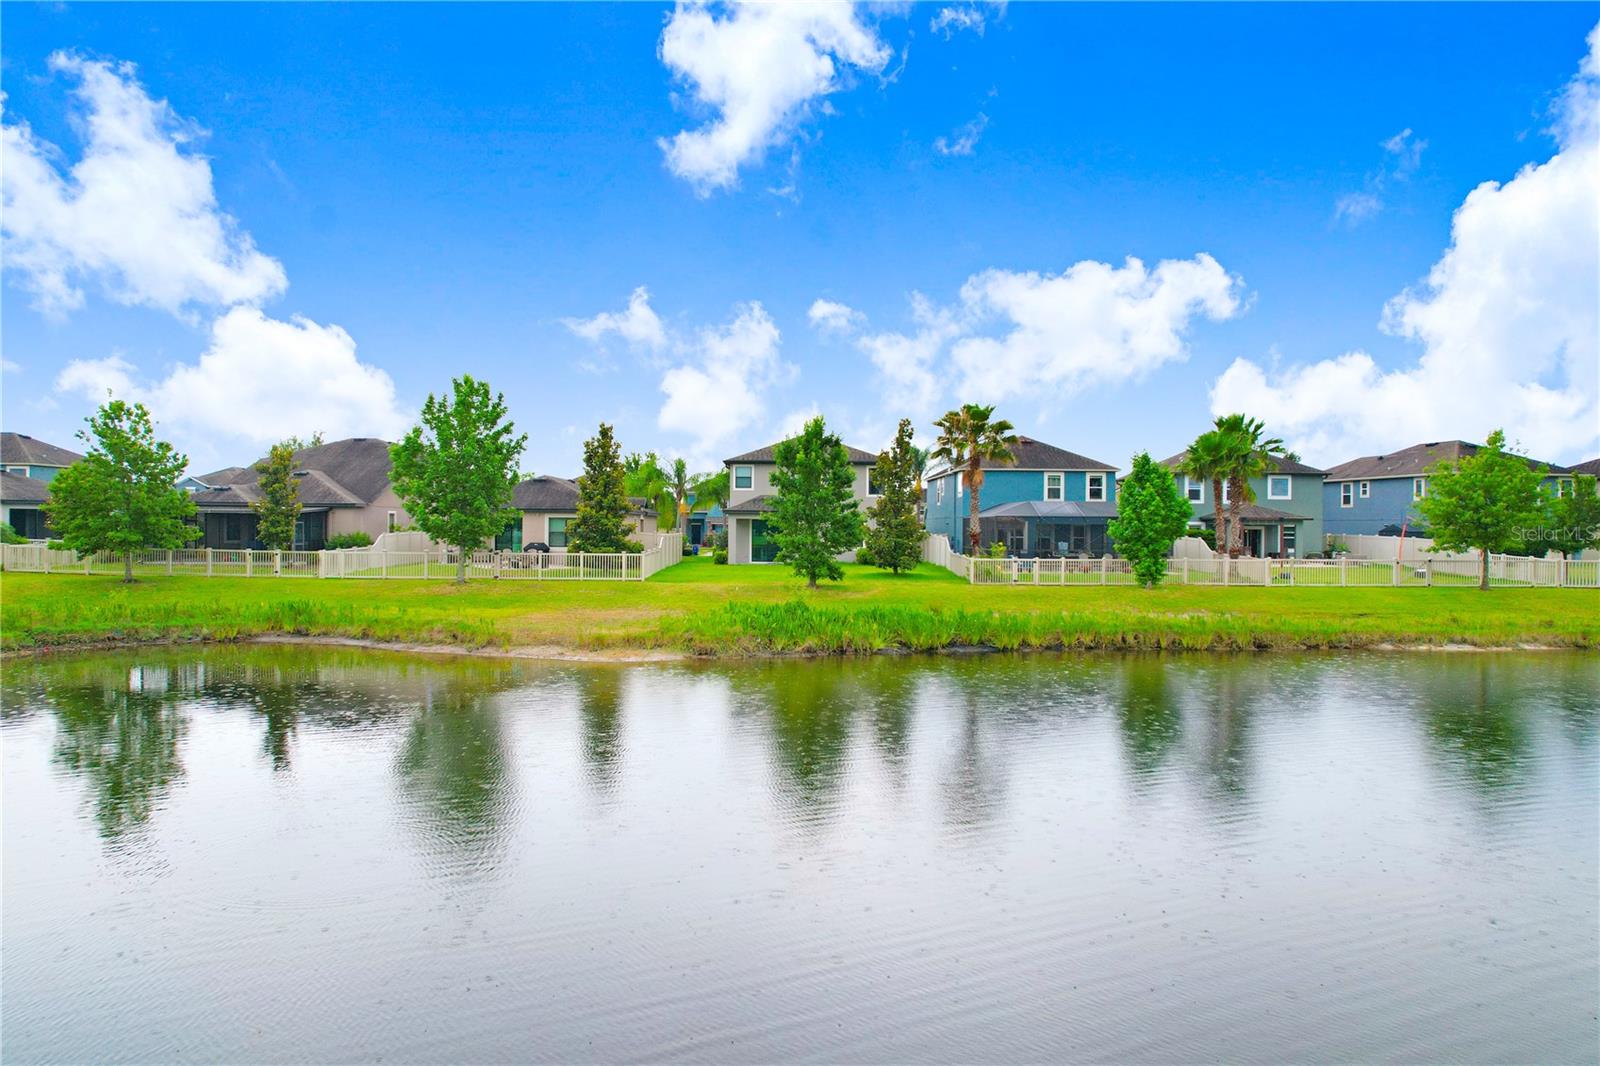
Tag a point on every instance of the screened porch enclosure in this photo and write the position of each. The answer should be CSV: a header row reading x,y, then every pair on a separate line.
x,y
1048,528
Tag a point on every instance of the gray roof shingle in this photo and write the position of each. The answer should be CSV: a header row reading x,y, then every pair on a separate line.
x,y
16,488
765,455
1413,461
754,505
22,450
1037,455
1590,467
550,493
1275,466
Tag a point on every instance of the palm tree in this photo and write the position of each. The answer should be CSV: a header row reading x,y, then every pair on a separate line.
x,y
678,484
642,477
1207,460
967,439
1250,455
711,490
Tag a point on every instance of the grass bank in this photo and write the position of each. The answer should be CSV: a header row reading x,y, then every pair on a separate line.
x,y
711,610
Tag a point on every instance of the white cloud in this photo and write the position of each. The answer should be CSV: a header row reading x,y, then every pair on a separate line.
x,y
1092,324
1507,320
637,325
719,388
7,366
137,214
757,70
829,316
963,140
951,20
906,361
1402,157
260,379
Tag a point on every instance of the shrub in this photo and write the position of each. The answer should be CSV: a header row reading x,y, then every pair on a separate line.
x,y
865,557
357,539
719,557
8,535
997,550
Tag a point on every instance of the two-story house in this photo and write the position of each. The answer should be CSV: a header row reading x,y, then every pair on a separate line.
x,y
1284,520
29,465
29,457
1046,501
750,496
1378,494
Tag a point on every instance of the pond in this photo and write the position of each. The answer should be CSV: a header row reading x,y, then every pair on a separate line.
x,y
282,854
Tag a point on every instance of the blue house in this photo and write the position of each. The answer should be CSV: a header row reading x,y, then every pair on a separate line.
x,y
1284,520
1047,502
1378,494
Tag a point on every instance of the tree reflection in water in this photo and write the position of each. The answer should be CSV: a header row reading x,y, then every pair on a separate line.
x,y
600,698
1150,716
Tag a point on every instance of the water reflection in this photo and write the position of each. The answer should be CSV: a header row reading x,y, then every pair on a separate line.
x,y
806,716
1151,719
600,698
118,731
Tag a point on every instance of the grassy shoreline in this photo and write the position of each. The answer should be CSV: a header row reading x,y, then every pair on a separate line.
x,y
698,609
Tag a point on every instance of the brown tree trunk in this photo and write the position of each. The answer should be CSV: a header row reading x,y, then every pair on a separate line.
x,y
1483,569
127,568
1219,524
974,533
461,565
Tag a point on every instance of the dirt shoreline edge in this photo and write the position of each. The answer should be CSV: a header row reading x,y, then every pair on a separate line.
x,y
628,656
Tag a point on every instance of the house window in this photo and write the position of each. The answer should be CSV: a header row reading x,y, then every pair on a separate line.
x,y
1564,486
872,481
1278,487
1195,490
392,522
940,483
1052,486
556,532
17,470
1347,496
1097,486
1226,491
744,477
1419,487
1286,539
1366,489
232,529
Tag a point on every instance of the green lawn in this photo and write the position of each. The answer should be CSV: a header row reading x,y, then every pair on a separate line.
x,y
709,609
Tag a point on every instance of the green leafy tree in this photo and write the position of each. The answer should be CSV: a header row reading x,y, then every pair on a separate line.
x,y
894,532
300,444
1152,513
678,486
1207,461
646,479
969,436
1249,454
815,515
602,521
1483,503
279,504
1574,519
122,496
711,490
455,472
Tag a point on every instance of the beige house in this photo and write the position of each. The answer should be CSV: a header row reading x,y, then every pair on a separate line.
x,y
29,465
548,505
344,488
750,499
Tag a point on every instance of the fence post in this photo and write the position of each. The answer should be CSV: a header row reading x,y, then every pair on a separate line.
x,y
249,563
1344,571
1427,572
1394,577
88,560
1227,568
383,563
208,562
277,562
424,566
1185,569
1105,563
169,562
46,554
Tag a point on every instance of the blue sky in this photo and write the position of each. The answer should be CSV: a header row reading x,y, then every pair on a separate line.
x,y
339,208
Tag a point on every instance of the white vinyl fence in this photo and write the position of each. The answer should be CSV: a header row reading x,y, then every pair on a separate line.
x,y
370,562
1505,571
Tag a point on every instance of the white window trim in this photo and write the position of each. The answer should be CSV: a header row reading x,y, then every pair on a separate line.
x,y
1191,487
1347,494
940,483
393,521
1564,486
1288,487
1061,486
17,470
1366,490
870,491
1226,491
1419,487
1088,489
750,472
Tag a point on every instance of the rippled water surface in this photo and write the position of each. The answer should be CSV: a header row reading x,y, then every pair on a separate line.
x,y
271,855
